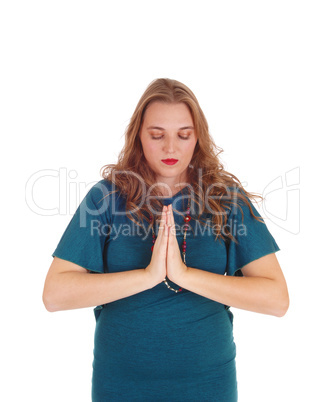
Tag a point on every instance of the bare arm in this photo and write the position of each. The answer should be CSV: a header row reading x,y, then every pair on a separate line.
x,y
262,289
70,286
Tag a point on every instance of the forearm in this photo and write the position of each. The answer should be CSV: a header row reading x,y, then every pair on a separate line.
x,y
72,290
261,295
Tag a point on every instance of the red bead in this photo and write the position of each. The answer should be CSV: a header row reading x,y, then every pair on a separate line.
x,y
187,218
152,248
180,289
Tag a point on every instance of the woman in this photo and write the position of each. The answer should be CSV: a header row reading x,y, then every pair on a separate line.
x,y
177,241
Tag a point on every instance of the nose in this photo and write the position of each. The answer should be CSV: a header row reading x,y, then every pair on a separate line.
x,y
169,145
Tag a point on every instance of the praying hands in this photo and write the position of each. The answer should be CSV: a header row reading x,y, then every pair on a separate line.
x,y
166,256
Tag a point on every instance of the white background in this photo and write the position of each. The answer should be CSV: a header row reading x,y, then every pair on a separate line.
x,y
71,75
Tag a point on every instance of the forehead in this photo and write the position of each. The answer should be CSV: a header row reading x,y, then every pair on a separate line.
x,y
167,113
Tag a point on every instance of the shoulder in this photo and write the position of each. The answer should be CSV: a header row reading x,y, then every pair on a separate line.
x,y
102,188
105,185
241,204
101,195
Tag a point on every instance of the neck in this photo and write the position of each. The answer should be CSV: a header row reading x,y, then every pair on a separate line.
x,y
170,187
171,190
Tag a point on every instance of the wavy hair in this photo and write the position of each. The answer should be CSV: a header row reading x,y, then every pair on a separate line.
x,y
206,174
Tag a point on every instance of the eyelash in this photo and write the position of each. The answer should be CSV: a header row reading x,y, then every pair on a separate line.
x,y
158,138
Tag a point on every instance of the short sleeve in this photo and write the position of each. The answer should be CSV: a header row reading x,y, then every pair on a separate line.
x,y
85,237
253,237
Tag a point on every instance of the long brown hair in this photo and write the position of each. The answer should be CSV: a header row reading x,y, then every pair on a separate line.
x,y
205,174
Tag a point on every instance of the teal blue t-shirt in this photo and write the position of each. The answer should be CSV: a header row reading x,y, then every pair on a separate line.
x,y
158,345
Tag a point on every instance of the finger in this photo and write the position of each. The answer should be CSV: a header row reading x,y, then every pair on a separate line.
x,y
162,226
171,220
166,210
162,220
166,232
169,213
163,213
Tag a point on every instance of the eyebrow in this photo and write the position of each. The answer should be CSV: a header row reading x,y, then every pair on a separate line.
x,y
161,128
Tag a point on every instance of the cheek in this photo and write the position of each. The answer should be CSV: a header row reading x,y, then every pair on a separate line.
x,y
151,148
150,151
189,149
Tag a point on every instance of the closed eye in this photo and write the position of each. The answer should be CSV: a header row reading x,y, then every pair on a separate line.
x,y
180,136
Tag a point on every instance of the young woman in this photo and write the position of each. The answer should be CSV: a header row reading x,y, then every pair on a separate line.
x,y
175,241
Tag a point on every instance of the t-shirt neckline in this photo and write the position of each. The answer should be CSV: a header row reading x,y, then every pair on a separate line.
x,y
184,190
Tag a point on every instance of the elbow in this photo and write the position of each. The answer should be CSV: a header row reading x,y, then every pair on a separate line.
x,y
280,300
50,307
53,297
50,302
282,307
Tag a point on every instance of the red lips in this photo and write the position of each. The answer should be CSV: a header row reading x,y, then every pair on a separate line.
x,y
170,161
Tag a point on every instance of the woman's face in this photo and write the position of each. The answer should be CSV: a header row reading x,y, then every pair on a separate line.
x,y
168,140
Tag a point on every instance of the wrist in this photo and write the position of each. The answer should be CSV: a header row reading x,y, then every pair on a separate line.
x,y
150,277
179,276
